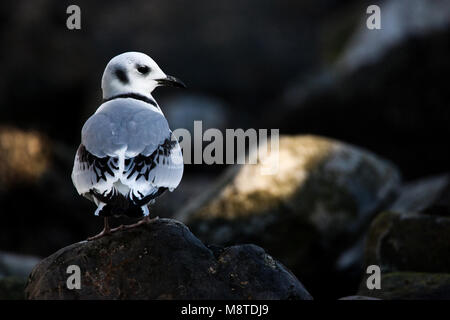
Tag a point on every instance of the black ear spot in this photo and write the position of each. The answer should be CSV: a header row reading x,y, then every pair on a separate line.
x,y
143,69
122,76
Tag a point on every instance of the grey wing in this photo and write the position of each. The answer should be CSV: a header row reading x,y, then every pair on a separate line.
x,y
124,124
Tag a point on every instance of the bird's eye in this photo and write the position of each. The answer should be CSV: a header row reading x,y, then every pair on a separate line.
x,y
143,69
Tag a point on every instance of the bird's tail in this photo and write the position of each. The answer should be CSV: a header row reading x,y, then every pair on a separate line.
x,y
112,209
116,204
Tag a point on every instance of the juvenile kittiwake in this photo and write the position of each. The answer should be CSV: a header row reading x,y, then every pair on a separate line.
x,y
128,155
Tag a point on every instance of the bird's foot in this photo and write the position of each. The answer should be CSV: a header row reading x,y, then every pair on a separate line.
x,y
107,231
119,228
104,232
145,220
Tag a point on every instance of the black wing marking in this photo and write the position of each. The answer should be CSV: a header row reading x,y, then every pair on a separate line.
x,y
143,165
118,204
100,166
94,177
90,171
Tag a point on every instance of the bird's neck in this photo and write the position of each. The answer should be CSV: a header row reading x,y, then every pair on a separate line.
x,y
148,98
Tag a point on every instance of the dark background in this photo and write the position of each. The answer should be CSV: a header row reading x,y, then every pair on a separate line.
x,y
263,64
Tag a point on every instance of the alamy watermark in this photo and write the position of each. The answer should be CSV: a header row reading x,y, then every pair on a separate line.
x,y
374,280
236,146
73,21
373,22
74,280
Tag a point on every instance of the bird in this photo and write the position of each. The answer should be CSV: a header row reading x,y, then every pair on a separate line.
x,y
128,156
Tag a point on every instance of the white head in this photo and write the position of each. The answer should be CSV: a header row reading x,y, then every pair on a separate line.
x,y
136,73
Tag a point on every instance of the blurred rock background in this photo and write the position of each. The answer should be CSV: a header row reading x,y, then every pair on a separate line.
x,y
305,67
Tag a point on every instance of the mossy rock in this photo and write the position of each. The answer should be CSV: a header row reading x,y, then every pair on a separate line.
x,y
405,240
410,285
412,241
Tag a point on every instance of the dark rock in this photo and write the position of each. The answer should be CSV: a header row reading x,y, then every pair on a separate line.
x,y
430,196
410,285
400,22
414,242
415,234
163,260
12,288
308,212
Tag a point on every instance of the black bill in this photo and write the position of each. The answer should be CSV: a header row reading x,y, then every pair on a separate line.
x,y
171,82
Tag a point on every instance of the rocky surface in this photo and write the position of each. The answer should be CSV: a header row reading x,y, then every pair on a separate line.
x,y
410,285
428,195
411,243
315,206
12,288
402,19
414,242
163,260
415,234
